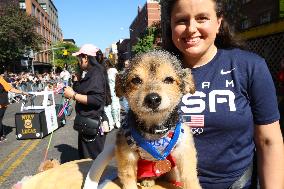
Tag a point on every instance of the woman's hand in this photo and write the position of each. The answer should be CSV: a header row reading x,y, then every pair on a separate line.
x,y
69,92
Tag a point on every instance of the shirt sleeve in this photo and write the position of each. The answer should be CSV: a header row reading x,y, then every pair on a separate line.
x,y
262,93
7,87
96,94
76,86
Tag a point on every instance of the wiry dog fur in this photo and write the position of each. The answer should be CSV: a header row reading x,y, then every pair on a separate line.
x,y
48,164
160,74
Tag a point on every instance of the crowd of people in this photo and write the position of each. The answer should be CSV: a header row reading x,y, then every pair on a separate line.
x,y
29,82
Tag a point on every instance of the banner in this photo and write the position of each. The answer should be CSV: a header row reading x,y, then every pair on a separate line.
x,y
281,8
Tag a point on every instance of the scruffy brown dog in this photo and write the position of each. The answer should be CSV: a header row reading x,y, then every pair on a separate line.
x,y
153,85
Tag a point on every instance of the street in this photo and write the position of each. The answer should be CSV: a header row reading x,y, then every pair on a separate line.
x,y
19,158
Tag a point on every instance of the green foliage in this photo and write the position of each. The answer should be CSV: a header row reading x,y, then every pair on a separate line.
x,y
144,44
17,34
147,42
60,60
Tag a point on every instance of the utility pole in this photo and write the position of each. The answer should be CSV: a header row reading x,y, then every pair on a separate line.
x,y
53,66
51,49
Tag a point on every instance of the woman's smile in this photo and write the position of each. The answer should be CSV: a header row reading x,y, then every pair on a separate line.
x,y
192,41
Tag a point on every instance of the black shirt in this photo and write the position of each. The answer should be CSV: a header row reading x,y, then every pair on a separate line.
x,y
93,85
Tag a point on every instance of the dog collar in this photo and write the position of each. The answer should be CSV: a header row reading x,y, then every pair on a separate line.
x,y
148,147
156,129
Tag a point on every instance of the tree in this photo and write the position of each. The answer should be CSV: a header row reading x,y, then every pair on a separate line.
x,y
148,41
144,44
63,55
17,34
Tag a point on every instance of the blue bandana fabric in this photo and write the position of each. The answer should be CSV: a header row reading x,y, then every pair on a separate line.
x,y
160,144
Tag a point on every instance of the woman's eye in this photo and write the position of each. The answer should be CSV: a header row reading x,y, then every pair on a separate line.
x,y
136,80
180,21
168,80
202,19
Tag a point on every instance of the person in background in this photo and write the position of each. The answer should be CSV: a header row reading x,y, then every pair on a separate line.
x,y
89,94
100,59
123,101
113,110
4,89
65,76
234,113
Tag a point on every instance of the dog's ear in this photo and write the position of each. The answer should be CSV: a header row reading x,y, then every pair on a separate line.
x,y
189,86
119,89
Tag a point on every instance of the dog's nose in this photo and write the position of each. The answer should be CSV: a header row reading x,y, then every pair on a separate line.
x,y
153,100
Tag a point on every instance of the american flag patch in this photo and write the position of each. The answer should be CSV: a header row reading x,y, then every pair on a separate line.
x,y
193,120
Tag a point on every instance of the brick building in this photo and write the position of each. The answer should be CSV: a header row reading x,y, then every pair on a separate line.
x,y
47,17
147,15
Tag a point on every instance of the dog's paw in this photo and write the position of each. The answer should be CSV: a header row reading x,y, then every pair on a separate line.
x,y
148,183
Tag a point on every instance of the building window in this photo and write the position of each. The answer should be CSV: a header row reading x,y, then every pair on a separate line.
x,y
246,23
43,6
266,17
22,5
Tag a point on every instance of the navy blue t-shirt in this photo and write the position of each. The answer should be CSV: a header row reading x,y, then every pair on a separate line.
x,y
234,92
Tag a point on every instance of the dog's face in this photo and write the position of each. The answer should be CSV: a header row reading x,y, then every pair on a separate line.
x,y
153,85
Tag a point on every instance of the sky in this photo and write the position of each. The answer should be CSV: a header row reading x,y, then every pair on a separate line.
x,y
100,22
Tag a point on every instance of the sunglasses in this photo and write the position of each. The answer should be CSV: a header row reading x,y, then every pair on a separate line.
x,y
80,56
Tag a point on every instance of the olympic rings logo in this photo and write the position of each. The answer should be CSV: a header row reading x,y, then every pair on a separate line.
x,y
197,131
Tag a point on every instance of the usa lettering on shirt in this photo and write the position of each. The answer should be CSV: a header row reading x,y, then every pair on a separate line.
x,y
195,105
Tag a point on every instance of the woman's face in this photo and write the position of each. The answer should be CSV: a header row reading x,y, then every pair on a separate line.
x,y
83,61
194,26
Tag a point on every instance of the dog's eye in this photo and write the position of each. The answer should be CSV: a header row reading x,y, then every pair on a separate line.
x,y
136,80
168,80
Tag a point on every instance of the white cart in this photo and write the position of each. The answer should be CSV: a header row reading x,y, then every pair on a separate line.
x,y
37,121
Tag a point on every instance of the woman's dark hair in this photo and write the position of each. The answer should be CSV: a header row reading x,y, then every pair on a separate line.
x,y
91,60
109,64
225,38
99,56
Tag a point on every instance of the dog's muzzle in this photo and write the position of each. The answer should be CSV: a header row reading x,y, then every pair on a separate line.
x,y
153,100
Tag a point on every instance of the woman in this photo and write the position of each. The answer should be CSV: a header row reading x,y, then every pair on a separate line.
x,y
234,110
4,89
89,94
112,110
105,117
